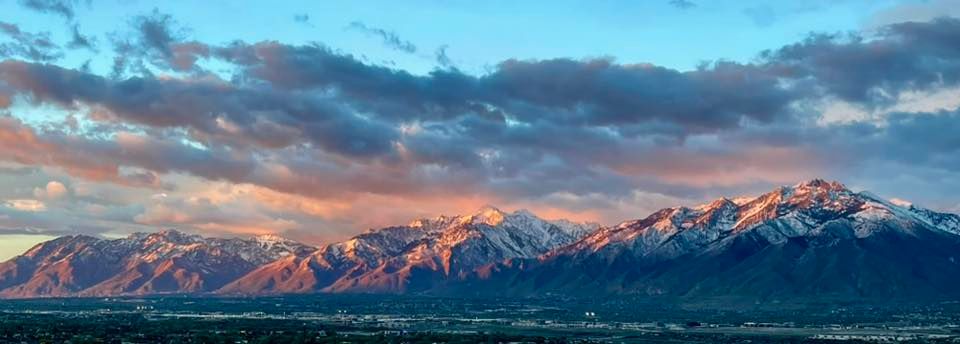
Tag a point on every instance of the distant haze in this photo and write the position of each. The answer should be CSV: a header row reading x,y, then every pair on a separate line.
x,y
13,245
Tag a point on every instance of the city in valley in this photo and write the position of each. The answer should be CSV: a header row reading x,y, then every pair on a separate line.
x,y
404,319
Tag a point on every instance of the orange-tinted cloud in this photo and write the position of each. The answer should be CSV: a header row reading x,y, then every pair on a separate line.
x,y
728,168
19,143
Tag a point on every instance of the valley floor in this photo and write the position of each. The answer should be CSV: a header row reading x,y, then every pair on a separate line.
x,y
394,319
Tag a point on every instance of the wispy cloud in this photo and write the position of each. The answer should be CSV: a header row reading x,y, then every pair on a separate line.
x,y
30,205
442,58
28,45
682,4
389,38
65,8
80,41
301,18
762,16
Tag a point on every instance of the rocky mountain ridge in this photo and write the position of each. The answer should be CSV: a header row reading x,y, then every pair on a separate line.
x,y
812,239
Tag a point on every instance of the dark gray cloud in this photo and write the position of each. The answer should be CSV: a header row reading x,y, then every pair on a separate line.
x,y
239,116
870,71
574,92
158,40
64,8
27,45
387,91
389,38
80,41
157,32
600,92
443,60
922,139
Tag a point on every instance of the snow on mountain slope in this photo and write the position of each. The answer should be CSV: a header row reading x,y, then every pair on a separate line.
x,y
668,232
786,212
801,239
798,241
143,263
396,259
946,222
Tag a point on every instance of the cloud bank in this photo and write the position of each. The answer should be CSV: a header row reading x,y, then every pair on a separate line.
x,y
305,139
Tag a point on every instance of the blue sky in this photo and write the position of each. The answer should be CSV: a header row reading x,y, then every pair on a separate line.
x,y
320,119
481,34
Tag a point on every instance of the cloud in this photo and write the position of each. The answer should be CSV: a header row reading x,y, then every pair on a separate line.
x,y
44,235
101,159
443,60
157,33
897,139
157,39
54,190
302,18
241,116
590,92
209,215
29,205
22,145
82,212
17,170
762,16
476,137
682,4
32,46
64,8
914,11
390,38
860,69
80,41
320,137
462,118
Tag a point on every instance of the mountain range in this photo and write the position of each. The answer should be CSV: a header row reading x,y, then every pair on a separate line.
x,y
816,239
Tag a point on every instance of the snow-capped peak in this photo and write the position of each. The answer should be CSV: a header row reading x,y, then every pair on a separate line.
x,y
820,184
901,203
171,236
800,210
171,243
270,239
488,215
741,200
489,234
716,204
